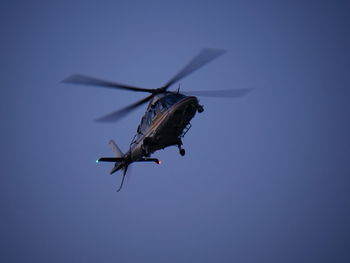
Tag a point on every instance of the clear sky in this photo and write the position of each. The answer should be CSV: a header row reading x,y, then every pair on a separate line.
x,y
265,177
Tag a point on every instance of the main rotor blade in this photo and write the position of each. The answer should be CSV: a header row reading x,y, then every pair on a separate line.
x,y
117,115
86,80
204,57
228,93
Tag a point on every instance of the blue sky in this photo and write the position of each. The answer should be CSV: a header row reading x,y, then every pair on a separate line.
x,y
265,177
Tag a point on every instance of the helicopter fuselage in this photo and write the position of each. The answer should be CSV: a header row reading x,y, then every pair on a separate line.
x,y
165,122
166,125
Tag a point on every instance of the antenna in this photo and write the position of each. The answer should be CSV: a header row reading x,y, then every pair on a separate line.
x,y
178,89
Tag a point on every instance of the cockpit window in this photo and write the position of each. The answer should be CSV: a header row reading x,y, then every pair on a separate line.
x,y
171,99
160,107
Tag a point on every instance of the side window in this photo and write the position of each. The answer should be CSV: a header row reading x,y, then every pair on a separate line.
x,y
149,117
153,114
164,104
160,106
143,124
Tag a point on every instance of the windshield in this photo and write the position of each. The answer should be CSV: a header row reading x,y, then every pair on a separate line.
x,y
171,99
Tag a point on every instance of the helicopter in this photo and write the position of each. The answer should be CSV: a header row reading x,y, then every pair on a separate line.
x,y
167,117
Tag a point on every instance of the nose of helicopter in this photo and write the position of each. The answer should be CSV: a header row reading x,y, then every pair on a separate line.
x,y
187,105
182,113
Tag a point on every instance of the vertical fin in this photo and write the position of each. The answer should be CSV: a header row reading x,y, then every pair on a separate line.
x,y
121,165
116,149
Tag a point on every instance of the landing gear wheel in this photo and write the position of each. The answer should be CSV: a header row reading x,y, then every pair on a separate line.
x,y
182,152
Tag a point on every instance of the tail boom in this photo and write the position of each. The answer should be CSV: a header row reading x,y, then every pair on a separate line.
x,y
122,161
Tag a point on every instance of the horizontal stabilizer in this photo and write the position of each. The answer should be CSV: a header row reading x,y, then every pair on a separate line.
x,y
110,159
145,159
